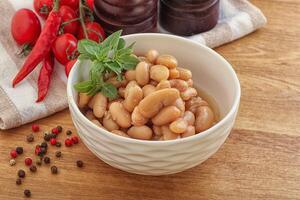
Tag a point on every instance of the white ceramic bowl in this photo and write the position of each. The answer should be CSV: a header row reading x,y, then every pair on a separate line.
x,y
211,72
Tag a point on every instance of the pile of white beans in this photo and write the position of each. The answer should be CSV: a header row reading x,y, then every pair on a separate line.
x,y
157,101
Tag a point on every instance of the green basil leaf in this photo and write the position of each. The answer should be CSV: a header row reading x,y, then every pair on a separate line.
x,y
128,61
124,52
84,86
114,66
112,40
131,45
98,66
109,56
84,57
94,76
103,53
96,73
110,91
120,77
121,44
94,91
89,48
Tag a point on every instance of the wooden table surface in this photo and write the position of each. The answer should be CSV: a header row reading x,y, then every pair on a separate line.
x,y
259,160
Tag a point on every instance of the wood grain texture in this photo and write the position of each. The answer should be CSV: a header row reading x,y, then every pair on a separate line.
x,y
267,63
260,159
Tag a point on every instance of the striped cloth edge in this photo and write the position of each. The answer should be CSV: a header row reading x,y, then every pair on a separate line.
x,y
17,105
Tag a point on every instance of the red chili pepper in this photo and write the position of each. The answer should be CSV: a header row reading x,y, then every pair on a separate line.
x,y
45,77
43,44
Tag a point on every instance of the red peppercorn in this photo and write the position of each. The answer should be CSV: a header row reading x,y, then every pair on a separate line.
x,y
35,127
28,161
53,141
37,150
75,139
55,131
68,142
13,153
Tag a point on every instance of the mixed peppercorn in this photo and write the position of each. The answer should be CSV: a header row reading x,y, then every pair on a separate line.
x,y
41,151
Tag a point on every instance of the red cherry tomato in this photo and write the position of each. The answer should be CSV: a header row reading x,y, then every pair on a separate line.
x,y
94,30
90,4
65,48
69,66
74,4
68,14
43,7
25,27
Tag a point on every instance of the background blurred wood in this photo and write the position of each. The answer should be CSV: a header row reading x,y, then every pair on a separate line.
x,y
260,159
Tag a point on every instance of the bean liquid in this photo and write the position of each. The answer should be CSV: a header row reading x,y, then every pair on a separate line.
x,y
211,102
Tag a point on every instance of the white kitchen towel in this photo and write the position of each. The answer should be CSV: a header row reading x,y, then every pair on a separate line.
x,y
17,105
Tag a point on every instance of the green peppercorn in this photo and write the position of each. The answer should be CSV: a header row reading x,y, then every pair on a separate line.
x,y
19,150
69,132
39,162
79,163
59,128
40,154
47,160
54,169
19,181
58,144
58,154
27,193
33,168
30,138
21,173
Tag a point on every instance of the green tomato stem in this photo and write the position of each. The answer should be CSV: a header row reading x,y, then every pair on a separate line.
x,y
70,21
81,16
56,5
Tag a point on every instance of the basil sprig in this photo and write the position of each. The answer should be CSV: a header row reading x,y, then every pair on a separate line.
x,y
109,56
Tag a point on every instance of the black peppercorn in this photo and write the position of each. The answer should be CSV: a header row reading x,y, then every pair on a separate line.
x,y
54,170
33,168
19,181
52,135
69,132
46,160
58,154
79,163
58,144
27,193
30,138
19,150
47,137
21,173
59,128
43,150
44,145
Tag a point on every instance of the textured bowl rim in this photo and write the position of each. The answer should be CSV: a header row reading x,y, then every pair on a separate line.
x,y
203,134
